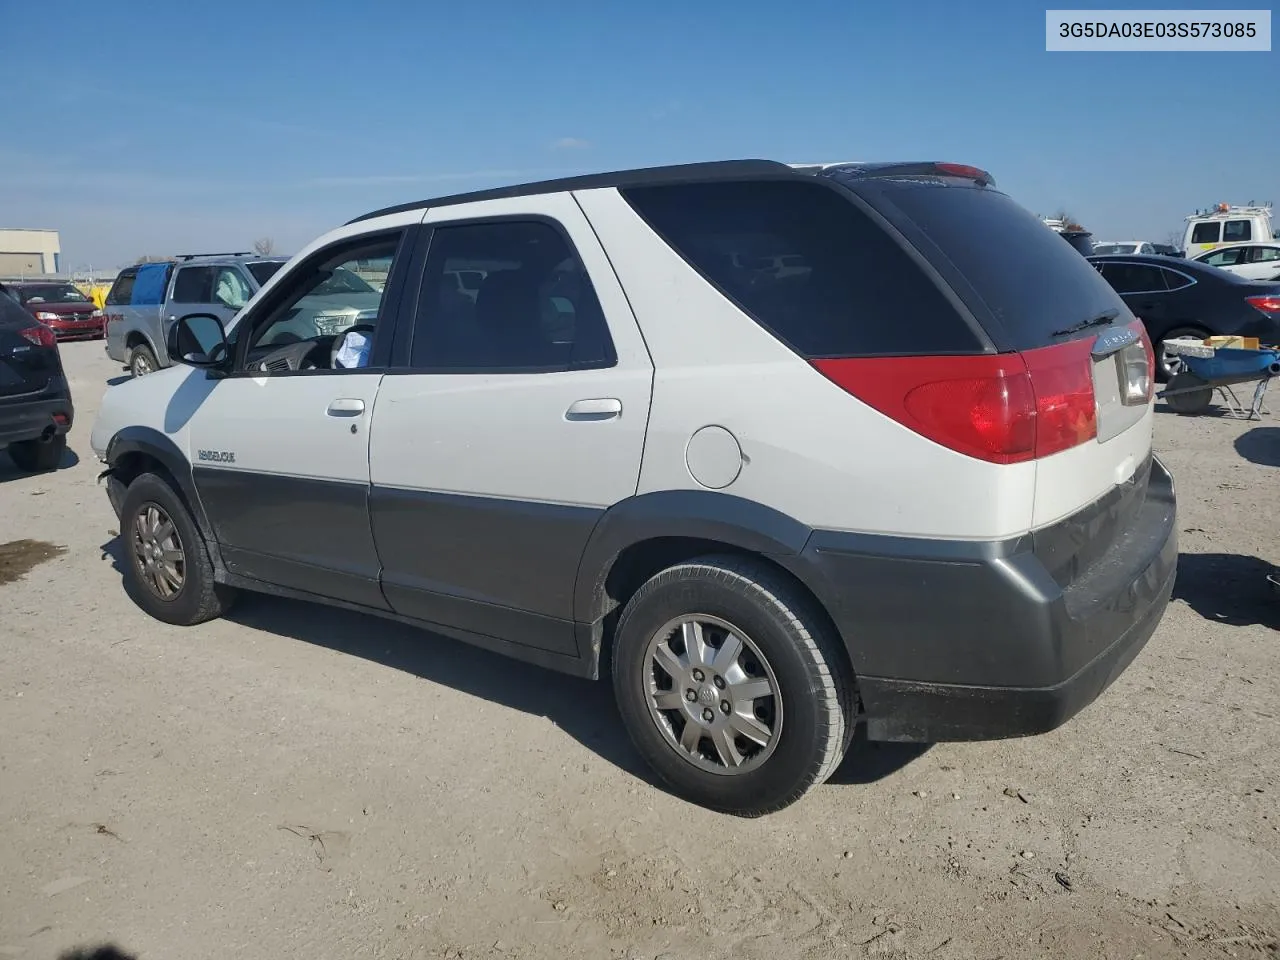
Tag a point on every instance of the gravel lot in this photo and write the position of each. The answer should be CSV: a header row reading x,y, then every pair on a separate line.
x,y
295,781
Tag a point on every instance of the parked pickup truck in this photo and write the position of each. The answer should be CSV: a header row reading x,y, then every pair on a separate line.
x,y
147,298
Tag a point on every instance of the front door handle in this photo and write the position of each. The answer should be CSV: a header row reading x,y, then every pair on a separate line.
x,y
346,407
604,408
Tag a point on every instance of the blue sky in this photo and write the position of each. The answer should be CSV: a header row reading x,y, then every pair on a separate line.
x,y
191,127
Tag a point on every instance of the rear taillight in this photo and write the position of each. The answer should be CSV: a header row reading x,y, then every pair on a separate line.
x,y
40,335
1268,305
1002,408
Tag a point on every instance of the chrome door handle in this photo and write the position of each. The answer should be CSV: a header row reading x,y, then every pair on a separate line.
x,y
346,407
604,408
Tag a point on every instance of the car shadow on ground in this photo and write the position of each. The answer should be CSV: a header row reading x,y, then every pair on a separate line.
x,y
1228,588
116,381
584,709
107,951
9,470
1261,445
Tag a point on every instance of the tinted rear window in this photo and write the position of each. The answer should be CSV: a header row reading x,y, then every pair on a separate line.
x,y
808,265
1016,275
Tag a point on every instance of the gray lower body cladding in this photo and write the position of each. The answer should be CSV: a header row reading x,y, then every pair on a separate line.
x,y
957,641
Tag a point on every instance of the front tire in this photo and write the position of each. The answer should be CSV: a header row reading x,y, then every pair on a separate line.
x,y
39,455
732,685
142,361
167,570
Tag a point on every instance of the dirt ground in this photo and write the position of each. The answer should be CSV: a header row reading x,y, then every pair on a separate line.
x,y
299,782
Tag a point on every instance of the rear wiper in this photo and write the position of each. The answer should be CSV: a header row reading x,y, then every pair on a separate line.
x,y
1101,320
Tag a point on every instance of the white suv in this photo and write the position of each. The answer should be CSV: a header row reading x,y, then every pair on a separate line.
x,y
907,484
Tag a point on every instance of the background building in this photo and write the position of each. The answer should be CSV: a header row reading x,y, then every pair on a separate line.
x,y
29,252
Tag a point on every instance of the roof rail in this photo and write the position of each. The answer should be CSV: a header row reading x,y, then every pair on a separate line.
x,y
196,256
677,173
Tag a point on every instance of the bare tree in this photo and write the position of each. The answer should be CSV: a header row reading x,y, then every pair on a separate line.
x,y
1068,220
264,246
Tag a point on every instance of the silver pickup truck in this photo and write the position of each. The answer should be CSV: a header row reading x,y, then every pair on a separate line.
x,y
147,298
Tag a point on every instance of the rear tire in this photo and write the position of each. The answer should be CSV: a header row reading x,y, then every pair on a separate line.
x,y
39,455
167,570
142,361
756,708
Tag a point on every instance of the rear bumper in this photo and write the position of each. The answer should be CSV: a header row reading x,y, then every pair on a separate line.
x,y
28,419
962,641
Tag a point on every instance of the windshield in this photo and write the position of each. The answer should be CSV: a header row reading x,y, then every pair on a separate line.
x,y
1115,248
343,281
264,270
50,293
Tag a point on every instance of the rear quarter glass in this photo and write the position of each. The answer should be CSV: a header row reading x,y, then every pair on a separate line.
x,y
1017,276
804,261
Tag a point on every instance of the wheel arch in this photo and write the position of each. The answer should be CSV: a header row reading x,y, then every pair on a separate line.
x,y
643,535
136,450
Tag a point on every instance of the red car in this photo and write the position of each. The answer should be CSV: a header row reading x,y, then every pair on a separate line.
x,y
61,307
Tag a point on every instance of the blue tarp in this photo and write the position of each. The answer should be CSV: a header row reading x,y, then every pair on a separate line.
x,y
149,284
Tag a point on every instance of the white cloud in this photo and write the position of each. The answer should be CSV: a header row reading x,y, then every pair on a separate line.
x,y
570,143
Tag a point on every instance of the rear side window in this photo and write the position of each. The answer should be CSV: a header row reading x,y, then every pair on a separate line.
x,y
1205,232
1017,276
1135,277
194,285
121,293
809,266
1236,230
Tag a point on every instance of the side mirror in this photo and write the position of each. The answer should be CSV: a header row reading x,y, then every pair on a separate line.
x,y
198,340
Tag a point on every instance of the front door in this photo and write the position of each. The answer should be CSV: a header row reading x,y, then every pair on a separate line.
x,y
280,449
515,417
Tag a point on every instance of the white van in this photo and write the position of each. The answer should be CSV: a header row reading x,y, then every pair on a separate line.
x,y
1226,224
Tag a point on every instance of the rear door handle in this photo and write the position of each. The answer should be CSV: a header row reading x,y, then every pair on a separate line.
x,y
605,408
346,407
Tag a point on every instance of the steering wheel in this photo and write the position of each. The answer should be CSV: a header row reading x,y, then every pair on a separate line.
x,y
292,357
365,328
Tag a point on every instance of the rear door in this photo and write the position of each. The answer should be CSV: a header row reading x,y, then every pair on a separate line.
x,y
512,420
1263,263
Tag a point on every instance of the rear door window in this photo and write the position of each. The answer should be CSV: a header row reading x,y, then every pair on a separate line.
x,y
1132,278
853,291
194,285
1022,282
1206,232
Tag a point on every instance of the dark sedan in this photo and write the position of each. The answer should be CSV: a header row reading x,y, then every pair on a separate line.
x,y
61,307
1183,298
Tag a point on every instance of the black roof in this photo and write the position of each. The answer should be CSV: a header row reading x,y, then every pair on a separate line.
x,y
678,173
